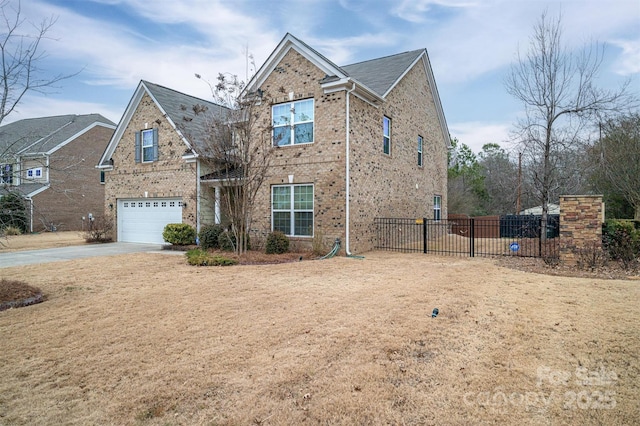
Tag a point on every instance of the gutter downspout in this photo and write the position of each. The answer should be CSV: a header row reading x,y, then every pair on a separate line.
x,y
198,196
348,176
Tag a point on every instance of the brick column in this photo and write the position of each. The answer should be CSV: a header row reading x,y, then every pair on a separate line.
x,y
581,218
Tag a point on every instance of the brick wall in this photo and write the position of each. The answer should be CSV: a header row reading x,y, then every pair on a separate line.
x,y
170,176
581,218
381,185
75,188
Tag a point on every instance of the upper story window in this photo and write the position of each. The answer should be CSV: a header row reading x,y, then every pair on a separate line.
x,y
386,135
147,146
6,173
293,123
419,151
101,176
34,173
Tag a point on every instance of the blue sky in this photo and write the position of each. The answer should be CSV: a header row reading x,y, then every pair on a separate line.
x,y
471,44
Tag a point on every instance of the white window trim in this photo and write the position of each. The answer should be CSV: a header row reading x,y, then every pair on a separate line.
x,y
293,211
437,207
143,146
292,122
34,173
420,151
385,136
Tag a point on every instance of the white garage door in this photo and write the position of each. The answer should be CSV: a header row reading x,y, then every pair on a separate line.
x,y
143,220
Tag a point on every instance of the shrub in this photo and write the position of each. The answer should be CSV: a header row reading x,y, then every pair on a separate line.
x,y
277,243
200,257
179,234
227,241
100,230
591,257
12,230
209,236
621,240
13,212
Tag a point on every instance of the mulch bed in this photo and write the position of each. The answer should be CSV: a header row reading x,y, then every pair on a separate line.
x,y
16,294
611,271
253,257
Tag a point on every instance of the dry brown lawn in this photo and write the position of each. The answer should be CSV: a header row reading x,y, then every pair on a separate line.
x,y
40,241
146,339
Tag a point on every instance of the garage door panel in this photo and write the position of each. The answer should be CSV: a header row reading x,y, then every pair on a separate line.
x,y
143,220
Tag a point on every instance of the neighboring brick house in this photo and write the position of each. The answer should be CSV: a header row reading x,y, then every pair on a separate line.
x,y
51,161
353,143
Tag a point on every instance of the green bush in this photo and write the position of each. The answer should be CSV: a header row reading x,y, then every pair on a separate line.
x,y
277,243
209,236
227,241
13,212
199,257
179,234
621,240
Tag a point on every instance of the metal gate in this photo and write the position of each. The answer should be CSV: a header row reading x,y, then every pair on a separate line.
x,y
498,236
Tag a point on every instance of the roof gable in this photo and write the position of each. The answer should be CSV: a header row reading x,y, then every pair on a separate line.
x,y
178,109
45,135
382,74
287,43
370,80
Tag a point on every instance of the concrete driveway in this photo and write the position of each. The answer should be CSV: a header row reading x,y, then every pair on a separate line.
x,y
29,257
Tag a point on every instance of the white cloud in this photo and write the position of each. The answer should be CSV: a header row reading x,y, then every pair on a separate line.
x,y
44,106
475,134
629,61
417,11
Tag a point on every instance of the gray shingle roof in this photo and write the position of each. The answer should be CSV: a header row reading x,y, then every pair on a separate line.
x,y
180,109
380,74
39,135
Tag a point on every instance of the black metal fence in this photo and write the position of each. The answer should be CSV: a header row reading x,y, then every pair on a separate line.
x,y
495,236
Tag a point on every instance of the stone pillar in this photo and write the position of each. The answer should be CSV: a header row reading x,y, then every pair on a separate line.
x,y
581,218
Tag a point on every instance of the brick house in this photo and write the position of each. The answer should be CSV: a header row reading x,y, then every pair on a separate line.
x,y
352,143
50,161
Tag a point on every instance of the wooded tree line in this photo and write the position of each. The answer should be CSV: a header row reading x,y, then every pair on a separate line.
x,y
486,183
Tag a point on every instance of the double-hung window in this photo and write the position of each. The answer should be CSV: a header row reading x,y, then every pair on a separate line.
x,y
437,207
6,173
386,135
293,123
419,151
146,146
292,209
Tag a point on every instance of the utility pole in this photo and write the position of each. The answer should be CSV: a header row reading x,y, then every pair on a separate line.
x,y
519,183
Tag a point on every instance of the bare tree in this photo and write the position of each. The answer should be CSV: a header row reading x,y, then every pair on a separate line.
x,y
617,160
558,91
21,52
238,151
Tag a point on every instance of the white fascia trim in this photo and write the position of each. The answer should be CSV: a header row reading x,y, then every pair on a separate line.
x,y
290,42
123,123
77,135
436,99
190,158
106,168
165,115
358,89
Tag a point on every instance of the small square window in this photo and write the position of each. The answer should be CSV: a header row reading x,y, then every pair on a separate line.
x,y
164,204
155,204
172,203
126,204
